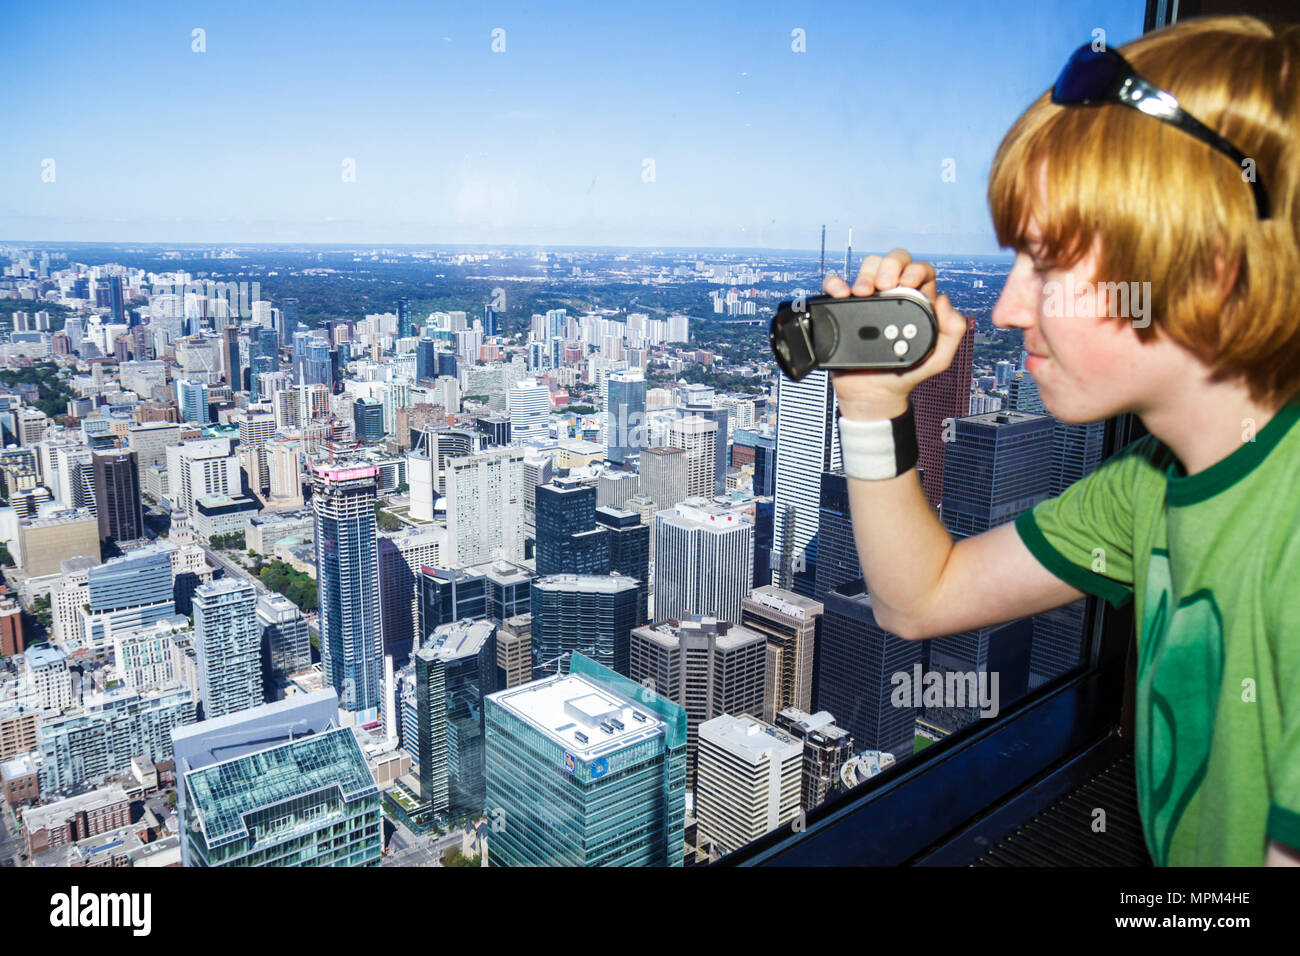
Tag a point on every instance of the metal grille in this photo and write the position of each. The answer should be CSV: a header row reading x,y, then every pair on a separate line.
x,y
1064,835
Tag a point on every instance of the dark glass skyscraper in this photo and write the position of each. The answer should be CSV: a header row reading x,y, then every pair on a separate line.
x,y
625,427
347,583
288,321
568,539
404,318
1058,634
426,359
585,613
998,465
837,554
629,551
454,670
445,364
857,663
368,420
116,300
117,496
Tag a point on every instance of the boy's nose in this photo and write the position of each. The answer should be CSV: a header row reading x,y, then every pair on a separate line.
x,y
1017,306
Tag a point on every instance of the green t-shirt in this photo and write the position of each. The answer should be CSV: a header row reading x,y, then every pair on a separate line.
x,y
1212,561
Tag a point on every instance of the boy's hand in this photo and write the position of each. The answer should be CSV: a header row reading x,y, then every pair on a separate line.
x,y
870,396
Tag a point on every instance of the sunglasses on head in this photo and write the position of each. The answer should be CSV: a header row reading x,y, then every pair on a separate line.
x,y
1093,77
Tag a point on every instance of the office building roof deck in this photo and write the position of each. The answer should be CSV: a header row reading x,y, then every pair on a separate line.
x,y
569,708
224,793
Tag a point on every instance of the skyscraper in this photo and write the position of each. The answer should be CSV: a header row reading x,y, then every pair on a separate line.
x,y
1058,644
117,496
663,476
347,583
368,420
454,669
585,614
426,362
228,647
807,444
937,399
709,667
704,561
625,426
530,411
401,556
788,623
563,750
857,664
485,499
629,551
277,785
837,550
697,436
998,466
826,748
404,329
286,642
568,540
748,782
192,397
758,448
288,321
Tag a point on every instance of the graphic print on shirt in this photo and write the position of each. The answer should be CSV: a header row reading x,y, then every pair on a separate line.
x,y
1179,675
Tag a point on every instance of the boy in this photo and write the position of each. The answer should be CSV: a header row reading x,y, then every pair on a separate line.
x,y
1198,522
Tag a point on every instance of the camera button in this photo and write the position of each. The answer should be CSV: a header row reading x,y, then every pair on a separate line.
x,y
909,331
891,331
900,347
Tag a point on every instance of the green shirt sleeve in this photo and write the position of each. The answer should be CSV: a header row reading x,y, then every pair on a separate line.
x,y
1085,534
1283,760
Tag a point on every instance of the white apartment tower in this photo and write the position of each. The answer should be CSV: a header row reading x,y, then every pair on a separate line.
x,y
485,507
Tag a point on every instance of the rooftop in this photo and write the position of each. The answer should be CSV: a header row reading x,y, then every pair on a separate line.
x,y
786,602
563,707
55,814
223,793
590,583
748,738
457,639
44,656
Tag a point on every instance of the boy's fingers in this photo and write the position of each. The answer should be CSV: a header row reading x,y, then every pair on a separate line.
x,y
866,281
833,285
891,268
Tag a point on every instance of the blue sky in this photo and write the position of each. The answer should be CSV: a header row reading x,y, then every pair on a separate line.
x,y
752,143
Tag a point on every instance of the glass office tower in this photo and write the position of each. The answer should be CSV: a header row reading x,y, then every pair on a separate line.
x,y
347,583
311,801
585,769
454,670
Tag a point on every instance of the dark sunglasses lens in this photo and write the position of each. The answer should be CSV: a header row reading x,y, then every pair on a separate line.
x,y
1086,77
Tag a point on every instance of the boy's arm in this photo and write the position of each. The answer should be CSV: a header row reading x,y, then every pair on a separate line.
x,y
1279,855
923,585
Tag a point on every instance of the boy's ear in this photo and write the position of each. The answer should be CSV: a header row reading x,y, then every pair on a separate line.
x,y
1225,273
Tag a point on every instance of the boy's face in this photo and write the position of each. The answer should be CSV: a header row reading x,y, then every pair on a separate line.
x,y
1087,366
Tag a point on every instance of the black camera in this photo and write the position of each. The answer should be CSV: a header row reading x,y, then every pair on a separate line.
x,y
890,331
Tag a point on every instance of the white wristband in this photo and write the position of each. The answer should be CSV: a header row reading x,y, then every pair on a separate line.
x,y
876,450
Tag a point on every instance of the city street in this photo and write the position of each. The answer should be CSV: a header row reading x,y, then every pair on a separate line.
x,y
412,850
11,844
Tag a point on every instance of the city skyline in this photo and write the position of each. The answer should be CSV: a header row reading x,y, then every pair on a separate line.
x,y
611,129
